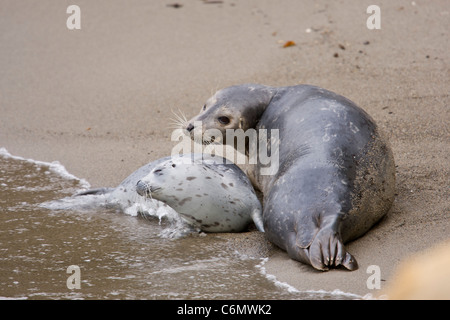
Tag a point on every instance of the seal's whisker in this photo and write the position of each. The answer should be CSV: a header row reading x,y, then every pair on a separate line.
x,y
181,116
179,120
184,117
147,198
175,125
175,122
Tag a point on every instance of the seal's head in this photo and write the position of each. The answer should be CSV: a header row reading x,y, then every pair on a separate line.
x,y
236,107
162,178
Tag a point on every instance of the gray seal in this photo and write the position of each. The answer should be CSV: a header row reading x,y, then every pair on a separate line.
x,y
209,193
336,173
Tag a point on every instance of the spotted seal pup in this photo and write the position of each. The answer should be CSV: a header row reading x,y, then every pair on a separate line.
x,y
336,174
207,192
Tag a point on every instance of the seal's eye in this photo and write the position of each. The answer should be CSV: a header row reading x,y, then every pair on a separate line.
x,y
204,107
224,120
173,165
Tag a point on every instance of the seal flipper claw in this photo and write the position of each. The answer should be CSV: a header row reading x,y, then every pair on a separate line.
x,y
316,256
349,262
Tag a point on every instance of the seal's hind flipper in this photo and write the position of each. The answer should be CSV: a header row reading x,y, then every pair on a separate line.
x,y
306,230
98,191
328,251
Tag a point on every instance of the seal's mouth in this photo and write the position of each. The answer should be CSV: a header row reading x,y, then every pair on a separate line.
x,y
203,135
202,139
145,190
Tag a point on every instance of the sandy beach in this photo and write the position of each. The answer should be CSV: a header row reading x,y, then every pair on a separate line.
x,y
99,99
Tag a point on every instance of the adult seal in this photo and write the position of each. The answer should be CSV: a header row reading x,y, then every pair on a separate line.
x,y
208,193
336,174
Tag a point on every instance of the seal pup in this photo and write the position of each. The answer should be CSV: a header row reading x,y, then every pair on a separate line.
x,y
336,173
206,191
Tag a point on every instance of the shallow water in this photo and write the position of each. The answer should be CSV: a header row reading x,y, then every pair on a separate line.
x,y
119,256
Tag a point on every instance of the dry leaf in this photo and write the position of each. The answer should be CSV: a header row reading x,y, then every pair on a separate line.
x,y
289,44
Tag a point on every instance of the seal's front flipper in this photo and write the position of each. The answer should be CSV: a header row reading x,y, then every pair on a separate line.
x,y
98,191
256,215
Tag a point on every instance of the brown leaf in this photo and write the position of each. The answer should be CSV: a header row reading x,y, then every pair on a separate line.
x,y
289,44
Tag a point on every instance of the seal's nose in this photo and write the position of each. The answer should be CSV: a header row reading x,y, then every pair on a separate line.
x,y
190,127
141,188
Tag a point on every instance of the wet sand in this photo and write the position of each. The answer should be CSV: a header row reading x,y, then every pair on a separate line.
x,y
99,99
